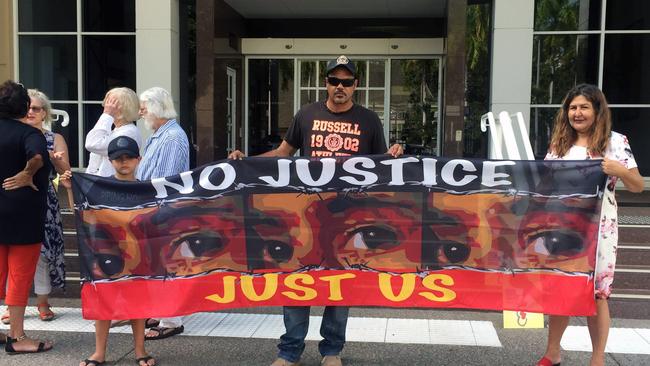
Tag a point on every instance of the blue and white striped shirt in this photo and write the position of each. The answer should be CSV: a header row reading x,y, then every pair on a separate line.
x,y
166,153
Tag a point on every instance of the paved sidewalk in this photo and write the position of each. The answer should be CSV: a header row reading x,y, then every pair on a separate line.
x,y
376,336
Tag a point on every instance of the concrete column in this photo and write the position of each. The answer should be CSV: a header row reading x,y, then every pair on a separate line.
x,y
6,40
512,56
156,41
454,102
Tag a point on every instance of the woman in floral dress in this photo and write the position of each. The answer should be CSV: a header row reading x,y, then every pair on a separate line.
x,y
583,130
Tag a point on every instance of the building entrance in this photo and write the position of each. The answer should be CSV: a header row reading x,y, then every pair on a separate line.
x,y
405,92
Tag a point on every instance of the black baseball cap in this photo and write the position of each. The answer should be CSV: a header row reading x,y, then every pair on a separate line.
x,y
342,61
123,145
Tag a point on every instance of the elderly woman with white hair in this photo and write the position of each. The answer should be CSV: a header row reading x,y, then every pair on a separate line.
x,y
166,153
121,110
50,271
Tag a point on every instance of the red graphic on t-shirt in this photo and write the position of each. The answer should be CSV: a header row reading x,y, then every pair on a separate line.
x,y
333,142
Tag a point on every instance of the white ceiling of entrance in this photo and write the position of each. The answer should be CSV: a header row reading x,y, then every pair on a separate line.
x,y
339,8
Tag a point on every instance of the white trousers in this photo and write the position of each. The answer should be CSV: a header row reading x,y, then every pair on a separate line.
x,y
42,284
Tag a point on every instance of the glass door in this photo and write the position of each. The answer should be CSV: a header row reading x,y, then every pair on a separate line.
x,y
415,105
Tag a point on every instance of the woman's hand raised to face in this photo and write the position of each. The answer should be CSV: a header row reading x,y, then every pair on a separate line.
x,y
112,106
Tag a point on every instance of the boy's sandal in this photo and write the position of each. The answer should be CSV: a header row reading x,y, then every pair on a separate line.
x,y
5,318
164,332
145,359
90,362
9,346
47,314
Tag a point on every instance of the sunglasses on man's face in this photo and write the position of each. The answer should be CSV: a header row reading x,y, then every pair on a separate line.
x,y
334,81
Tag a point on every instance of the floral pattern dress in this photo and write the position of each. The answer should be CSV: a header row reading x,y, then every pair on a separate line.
x,y
53,248
618,149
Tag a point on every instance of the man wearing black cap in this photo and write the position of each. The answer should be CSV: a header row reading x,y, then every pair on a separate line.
x,y
336,127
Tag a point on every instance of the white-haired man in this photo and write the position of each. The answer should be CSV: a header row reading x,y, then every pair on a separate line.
x,y
166,153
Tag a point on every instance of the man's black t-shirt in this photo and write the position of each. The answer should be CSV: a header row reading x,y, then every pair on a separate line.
x,y
319,132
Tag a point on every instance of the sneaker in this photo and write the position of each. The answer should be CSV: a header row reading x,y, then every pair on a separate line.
x,y
331,361
282,362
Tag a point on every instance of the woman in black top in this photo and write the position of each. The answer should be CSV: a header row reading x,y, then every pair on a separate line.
x,y
24,174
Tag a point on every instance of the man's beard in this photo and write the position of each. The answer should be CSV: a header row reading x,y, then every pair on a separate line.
x,y
149,123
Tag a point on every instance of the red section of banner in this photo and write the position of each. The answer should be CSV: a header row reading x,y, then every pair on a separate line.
x,y
535,291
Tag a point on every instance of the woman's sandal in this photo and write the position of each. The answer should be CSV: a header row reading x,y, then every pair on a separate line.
x,y
90,362
5,318
144,359
47,314
151,323
9,346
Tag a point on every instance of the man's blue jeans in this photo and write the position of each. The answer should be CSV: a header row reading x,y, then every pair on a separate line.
x,y
296,321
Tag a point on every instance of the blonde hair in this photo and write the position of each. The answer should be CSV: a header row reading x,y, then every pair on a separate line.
x,y
564,136
47,106
159,103
129,103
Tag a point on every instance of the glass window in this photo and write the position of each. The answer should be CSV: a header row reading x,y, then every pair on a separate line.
x,y
414,105
560,62
567,15
541,128
628,14
361,74
109,63
635,124
49,63
71,132
376,74
47,16
626,76
109,15
270,103
308,74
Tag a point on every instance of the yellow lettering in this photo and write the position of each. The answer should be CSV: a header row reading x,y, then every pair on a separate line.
x,y
335,285
431,282
228,291
292,282
270,287
386,288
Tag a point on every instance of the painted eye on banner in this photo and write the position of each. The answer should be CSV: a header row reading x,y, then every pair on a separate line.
x,y
110,264
455,252
280,252
557,243
201,244
373,238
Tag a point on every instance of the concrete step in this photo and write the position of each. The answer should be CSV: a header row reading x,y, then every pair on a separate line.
x,y
634,278
634,255
628,199
634,235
